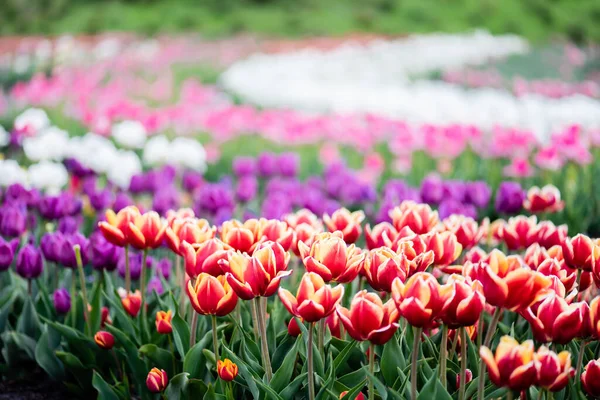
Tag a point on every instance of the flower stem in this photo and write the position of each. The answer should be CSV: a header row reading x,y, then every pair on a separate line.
x,y
311,372
73,296
172,348
214,337
127,271
463,362
414,359
371,370
321,338
263,338
580,361
254,320
486,343
143,282
120,372
180,279
77,250
194,329
443,355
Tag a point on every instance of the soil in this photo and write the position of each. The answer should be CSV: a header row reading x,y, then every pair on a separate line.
x,y
40,389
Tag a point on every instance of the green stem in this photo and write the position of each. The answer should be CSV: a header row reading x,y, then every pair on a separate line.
x,y
194,329
580,361
180,278
479,332
77,250
311,372
371,370
127,271
486,343
463,362
263,337
172,348
215,340
143,281
443,355
254,320
414,360
29,290
509,395
230,390
74,298
321,338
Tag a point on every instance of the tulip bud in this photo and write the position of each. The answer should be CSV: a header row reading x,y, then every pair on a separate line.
x,y
6,255
242,236
104,340
163,322
204,257
546,199
211,296
279,231
188,229
468,378
359,396
62,301
419,299
346,222
116,228
553,370
293,328
29,262
463,302
105,317
580,252
590,378
132,303
146,231
157,380
227,370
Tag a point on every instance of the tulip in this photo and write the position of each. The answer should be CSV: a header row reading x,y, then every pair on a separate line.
x,y
104,340
227,370
304,233
594,317
204,258
211,296
414,248
116,228
553,267
314,299
546,199
446,249
418,217
29,262
463,302
293,328
242,236
157,380
13,221
163,322
381,234
419,299
104,254
333,323
555,320
475,255
468,376
581,252
382,266
132,303
509,198
66,254
519,232
553,370
359,396
369,318
513,364
257,275
146,231
7,255
279,231
466,230
62,301
590,378
547,234
331,258
190,230
346,222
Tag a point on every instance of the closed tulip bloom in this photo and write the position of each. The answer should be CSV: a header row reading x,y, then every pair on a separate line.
x,y
580,252
104,340
547,234
420,218
518,232
590,378
382,266
553,267
553,370
163,322
369,318
501,276
463,302
467,231
546,199
333,323
116,227
381,234
303,216
419,299
62,300
189,229
446,249
293,328
132,303
331,258
359,396
29,262
227,370
593,314
204,258
157,380
13,220
414,248
211,295
147,231
512,365
279,231
346,222
555,320
314,299
7,255
242,236
468,376
304,233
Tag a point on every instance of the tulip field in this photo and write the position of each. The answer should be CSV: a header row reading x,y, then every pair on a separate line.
x,y
382,219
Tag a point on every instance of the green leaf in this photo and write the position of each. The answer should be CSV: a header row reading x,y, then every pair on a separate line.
x,y
292,389
160,357
391,359
352,393
283,375
344,354
96,304
105,391
268,390
196,389
211,394
177,386
181,334
45,357
121,318
29,323
381,388
137,366
243,370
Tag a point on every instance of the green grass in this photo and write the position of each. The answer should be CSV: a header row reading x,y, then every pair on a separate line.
x,y
537,20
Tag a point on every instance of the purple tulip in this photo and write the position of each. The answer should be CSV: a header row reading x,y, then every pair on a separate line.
x,y
432,189
191,180
451,206
7,255
29,262
267,164
213,197
222,215
104,254
50,244
62,301
276,205
155,285
51,207
164,267
289,164
246,189
135,264
478,193
101,199
509,198
139,184
67,254
166,199
77,169
17,193
13,220
244,166
69,225
121,201
454,189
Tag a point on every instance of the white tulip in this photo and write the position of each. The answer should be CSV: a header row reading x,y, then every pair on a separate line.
x,y
129,134
126,164
188,153
4,137
11,172
50,144
156,151
48,176
32,120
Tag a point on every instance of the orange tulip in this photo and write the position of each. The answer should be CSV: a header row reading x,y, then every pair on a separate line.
x,y
418,217
132,303
242,236
554,320
369,319
147,231
346,222
227,370
519,232
104,340
546,199
211,296
331,258
463,302
467,231
419,299
257,275
553,370
163,322
381,266
381,234
204,257
278,231
314,300
590,379
502,276
191,230
116,228
157,380
513,364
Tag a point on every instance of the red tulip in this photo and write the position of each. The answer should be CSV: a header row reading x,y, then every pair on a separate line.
x,y
546,199
314,300
463,302
475,255
204,257
369,319
163,322
419,299
104,340
293,328
381,266
116,228
211,296
279,231
242,236
468,376
553,370
157,380
467,231
547,234
446,249
333,323
132,303
182,213
227,370
581,252
359,396
590,378
190,230
381,234
418,217
346,222
554,320
146,231
519,232
513,364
